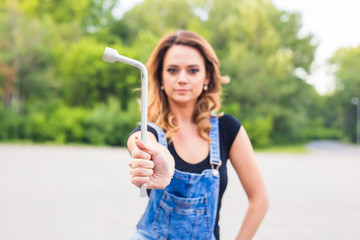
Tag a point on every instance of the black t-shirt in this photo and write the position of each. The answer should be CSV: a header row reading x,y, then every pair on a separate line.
x,y
229,127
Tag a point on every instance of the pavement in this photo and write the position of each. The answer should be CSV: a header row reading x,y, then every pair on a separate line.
x,y
68,192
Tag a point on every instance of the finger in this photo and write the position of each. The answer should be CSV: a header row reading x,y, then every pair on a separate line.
x,y
138,181
144,147
137,153
141,172
140,163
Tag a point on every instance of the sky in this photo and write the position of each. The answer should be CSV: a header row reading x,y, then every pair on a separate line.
x,y
334,23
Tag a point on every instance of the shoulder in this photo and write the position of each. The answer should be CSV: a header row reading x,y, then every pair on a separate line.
x,y
229,121
149,129
229,127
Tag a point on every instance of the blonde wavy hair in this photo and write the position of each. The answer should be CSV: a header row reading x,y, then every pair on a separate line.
x,y
208,103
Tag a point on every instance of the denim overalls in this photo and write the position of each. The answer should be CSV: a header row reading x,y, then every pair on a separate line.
x,y
187,207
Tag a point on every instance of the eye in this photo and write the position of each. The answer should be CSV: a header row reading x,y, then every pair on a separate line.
x,y
172,70
193,70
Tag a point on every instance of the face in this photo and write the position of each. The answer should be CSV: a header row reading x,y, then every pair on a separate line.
x,y
184,74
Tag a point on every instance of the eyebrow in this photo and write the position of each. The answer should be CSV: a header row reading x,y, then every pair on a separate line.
x,y
194,65
189,66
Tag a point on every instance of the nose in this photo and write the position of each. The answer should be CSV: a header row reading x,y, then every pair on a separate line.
x,y
182,77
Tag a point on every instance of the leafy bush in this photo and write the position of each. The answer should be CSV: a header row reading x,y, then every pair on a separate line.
x,y
258,128
259,131
105,124
108,124
9,124
316,129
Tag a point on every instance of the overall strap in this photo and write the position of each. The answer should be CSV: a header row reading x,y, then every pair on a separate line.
x,y
215,160
161,135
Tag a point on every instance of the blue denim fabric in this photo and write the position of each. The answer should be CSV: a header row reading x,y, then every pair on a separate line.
x,y
186,209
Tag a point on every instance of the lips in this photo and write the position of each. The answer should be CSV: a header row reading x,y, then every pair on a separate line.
x,y
182,90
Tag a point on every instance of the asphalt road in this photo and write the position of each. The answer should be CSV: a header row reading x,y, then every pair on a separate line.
x,y
66,193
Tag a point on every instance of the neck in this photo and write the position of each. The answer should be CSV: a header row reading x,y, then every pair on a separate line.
x,y
183,113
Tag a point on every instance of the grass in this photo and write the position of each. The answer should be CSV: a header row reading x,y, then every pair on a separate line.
x,y
50,143
296,148
292,148
17,141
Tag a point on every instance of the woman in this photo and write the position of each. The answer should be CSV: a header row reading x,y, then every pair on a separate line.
x,y
184,160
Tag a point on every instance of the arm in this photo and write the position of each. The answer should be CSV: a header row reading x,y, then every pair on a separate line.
x,y
151,163
243,159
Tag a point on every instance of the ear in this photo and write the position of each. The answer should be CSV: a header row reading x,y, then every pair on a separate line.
x,y
207,79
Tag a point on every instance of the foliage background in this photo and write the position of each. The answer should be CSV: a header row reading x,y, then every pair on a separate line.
x,y
54,86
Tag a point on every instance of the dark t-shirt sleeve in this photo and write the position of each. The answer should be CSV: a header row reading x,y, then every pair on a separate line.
x,y
230,127
149,129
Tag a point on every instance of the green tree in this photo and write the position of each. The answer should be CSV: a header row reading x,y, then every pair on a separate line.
x,y
91,14
156,17
89,80
260,48
25,59
347,62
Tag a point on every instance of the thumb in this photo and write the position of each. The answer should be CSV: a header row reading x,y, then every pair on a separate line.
x,y
143,146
